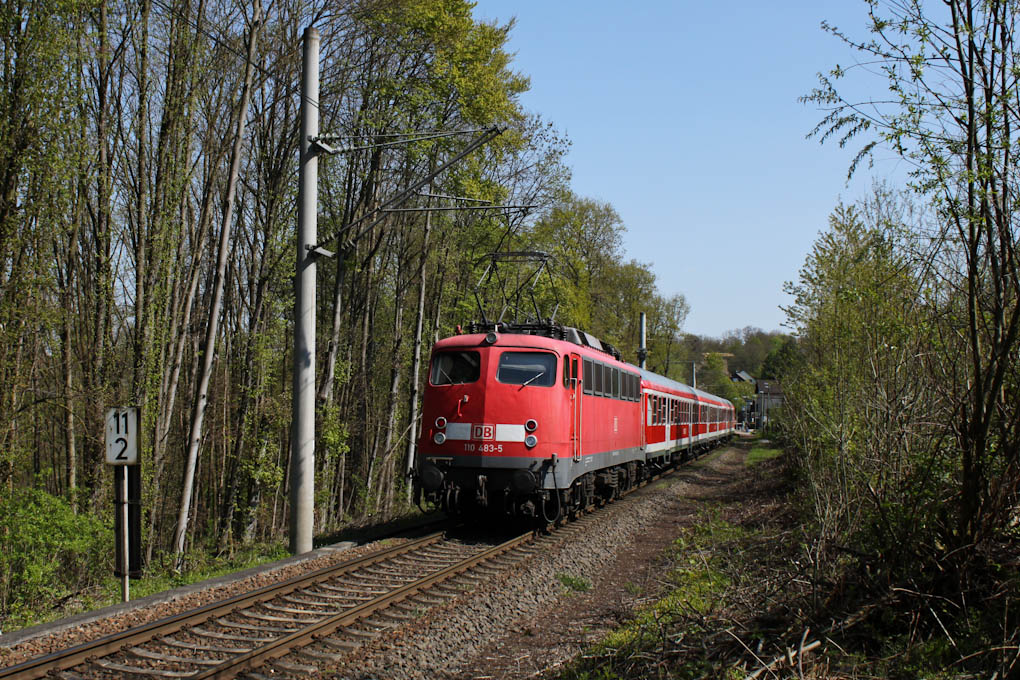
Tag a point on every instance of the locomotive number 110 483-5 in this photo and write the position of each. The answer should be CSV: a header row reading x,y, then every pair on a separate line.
x,y
483,448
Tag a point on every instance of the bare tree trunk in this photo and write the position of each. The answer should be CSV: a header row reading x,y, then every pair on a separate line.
x,y
180,323
248,382
212,328
412,402
385,478
66,281
141,215
366,197
102,283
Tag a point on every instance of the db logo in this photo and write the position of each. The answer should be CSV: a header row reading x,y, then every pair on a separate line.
x,y
483,432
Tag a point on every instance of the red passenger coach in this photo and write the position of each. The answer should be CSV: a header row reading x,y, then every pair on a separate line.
x,y
539,420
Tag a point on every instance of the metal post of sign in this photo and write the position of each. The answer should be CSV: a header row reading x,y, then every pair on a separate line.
x,y
125,563
302,455
122,444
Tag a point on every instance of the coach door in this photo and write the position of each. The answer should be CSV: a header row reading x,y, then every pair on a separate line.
x,y
575,404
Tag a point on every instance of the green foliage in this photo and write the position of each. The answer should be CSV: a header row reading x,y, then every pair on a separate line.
x,y
781,360
49,554
855,409
759,454
573,583
199,565
713,376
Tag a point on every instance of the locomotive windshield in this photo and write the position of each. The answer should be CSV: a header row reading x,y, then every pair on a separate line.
x,y
455,368
527,368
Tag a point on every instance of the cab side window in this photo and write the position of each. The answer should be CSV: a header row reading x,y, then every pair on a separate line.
x,y
455,368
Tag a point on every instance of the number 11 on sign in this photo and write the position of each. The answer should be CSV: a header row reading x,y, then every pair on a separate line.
x,y
122,436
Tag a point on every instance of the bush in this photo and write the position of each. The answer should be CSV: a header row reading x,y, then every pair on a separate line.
x,y
48,554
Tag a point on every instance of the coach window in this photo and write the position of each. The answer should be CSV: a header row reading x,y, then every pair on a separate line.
x,y
527,368
566,372
455,368
586,379
616,383
598,379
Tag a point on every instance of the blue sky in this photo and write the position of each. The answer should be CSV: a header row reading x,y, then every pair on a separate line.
x,y
684,116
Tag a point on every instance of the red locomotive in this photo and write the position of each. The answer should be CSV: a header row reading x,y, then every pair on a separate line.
x,y
542,420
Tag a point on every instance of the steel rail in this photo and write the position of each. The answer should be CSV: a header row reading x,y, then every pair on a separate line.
x,y
285,644
68,658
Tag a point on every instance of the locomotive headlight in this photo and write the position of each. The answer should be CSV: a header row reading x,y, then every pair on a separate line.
x,y
491,338
439,437
531,425
440,423
530,441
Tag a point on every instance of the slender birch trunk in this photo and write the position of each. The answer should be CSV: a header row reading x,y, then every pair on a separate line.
x,y
212,327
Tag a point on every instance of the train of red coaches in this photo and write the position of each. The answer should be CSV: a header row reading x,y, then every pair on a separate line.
x,y
544,420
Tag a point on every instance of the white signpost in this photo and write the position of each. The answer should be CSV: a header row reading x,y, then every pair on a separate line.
x,y
122,426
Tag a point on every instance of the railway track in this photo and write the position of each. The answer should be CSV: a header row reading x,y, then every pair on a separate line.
x,y
313,619
299,626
